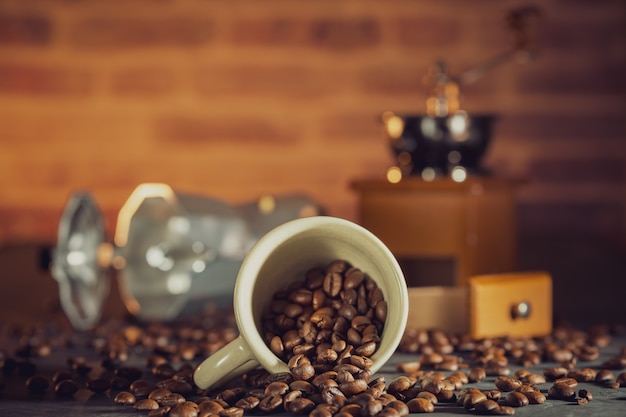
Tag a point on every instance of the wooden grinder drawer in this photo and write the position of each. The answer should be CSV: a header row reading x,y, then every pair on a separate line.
x,y
509,304
516,304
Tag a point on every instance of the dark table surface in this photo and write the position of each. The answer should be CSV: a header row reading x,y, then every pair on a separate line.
x,y
51,351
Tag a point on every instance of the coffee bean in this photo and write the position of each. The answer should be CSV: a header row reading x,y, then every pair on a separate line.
x,y
37,383
361,361
456,381
535,397
399,406
291,339
323,318
231,412
333,396
372,408
185,409
476,374
180,387
429,396
248,403
300,406
497,370
160,412
582,375
99,385
410,367
420,405
171,400
327,356
507,384
293,310
366,348
354,387
163,371
210,406
145,404
561,355
561,391
472,398
401,383
374,297
314,278
571,382
124,398
434,385
318,299
533,379
304,371
493,394
552,374
503,410
354,278
231,395
604,376
119,383
301,296
489,407
323,410
447,392
333,283
140,388
60,376
615,363
130,373
65,388
271,404
276,388
516,399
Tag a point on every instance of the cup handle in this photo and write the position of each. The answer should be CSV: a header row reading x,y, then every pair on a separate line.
x,y
228,362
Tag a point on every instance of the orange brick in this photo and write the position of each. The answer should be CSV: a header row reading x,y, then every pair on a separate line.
x,y
127,32
427,31
45,80
186,129
556,126
274,81
392,80
277,31
25,30
345,33
143,81
332,33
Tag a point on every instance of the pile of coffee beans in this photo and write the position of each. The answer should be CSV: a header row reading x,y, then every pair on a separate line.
x,y
318,322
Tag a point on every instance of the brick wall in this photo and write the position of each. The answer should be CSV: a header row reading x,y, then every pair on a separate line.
x,y
234,99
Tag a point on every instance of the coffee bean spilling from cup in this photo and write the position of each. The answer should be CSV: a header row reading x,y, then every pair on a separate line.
x,y
321,321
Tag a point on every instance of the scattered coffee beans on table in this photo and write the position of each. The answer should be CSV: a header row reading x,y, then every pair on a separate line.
x,y
326,327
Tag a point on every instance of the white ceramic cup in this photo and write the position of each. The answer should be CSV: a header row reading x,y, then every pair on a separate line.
x,y
282,256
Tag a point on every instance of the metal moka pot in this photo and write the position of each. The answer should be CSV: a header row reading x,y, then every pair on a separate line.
x,y
172,252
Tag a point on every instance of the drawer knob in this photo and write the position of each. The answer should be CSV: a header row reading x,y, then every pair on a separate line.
x,y
520,310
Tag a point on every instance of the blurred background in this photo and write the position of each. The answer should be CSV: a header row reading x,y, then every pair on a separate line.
x,y
241,98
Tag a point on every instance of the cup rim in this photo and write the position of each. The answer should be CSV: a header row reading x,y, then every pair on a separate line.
x,y
263,248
